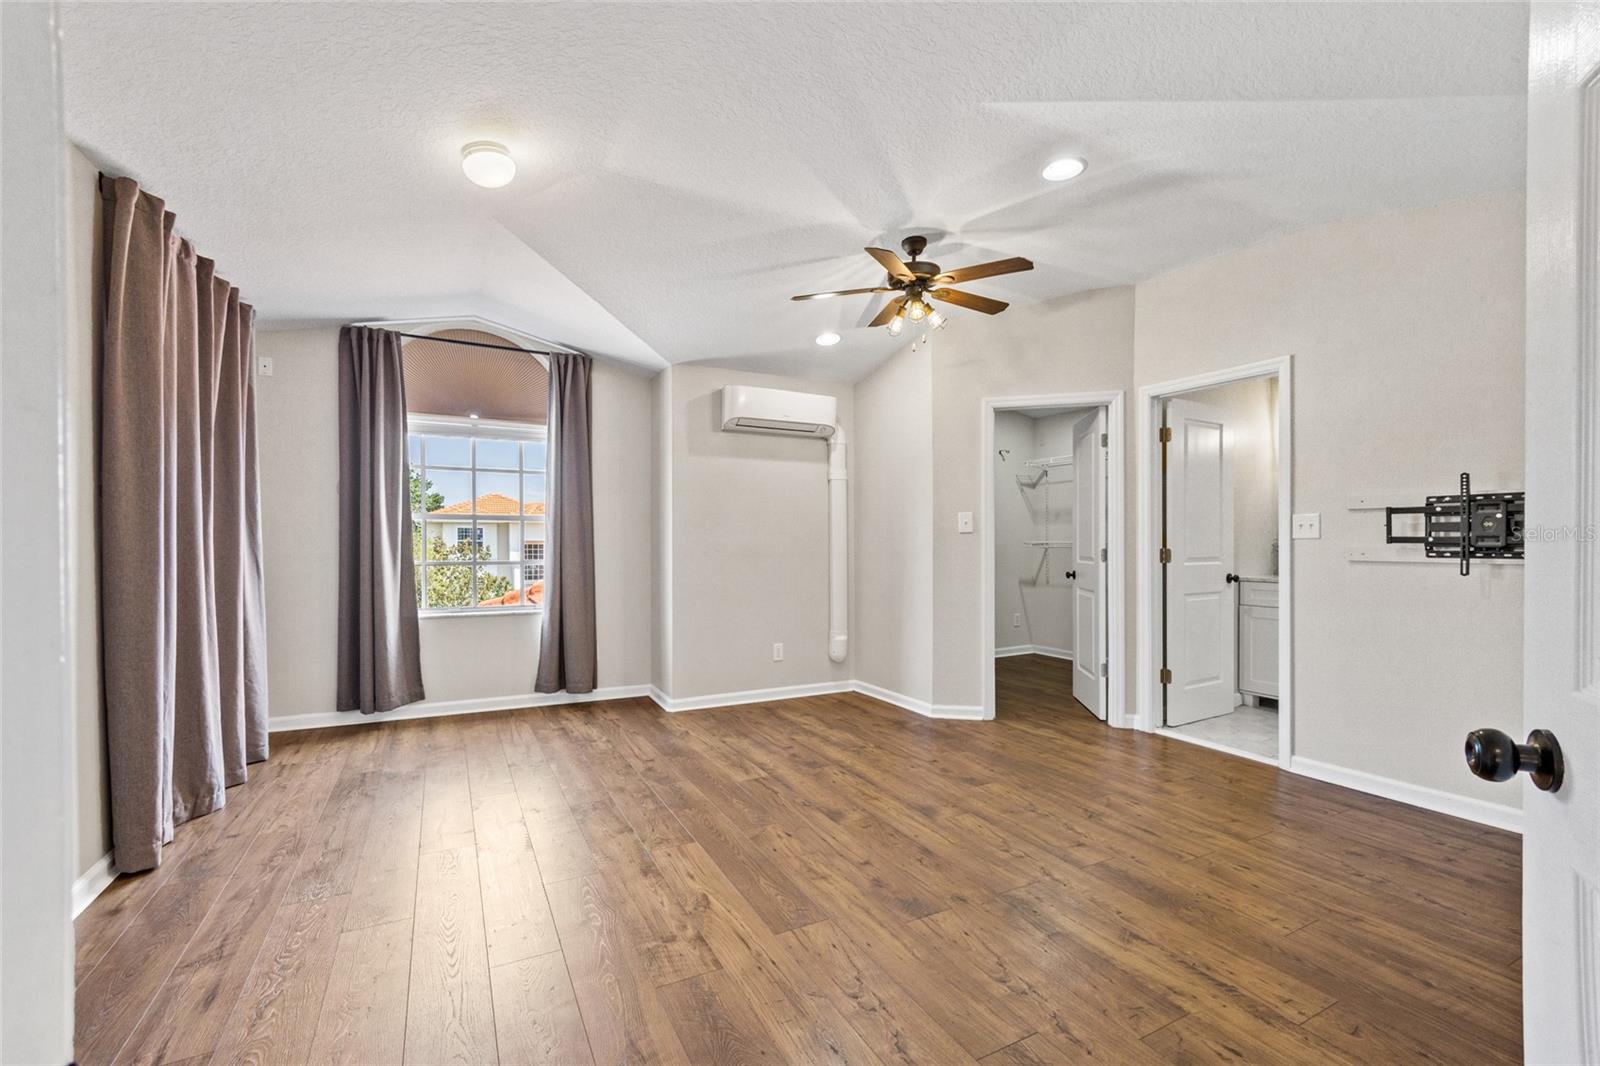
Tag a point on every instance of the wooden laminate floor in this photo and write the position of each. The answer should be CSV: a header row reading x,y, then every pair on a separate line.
x,y
822,880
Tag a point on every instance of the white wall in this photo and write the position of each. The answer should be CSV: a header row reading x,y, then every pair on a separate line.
x,y
463,656
1081,343
1250,414
1405,330
1013,523
891,466
1041,595
749,544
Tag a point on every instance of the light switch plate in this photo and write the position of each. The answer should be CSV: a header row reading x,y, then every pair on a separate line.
x,y
264,366
1307,527
777,653
963,521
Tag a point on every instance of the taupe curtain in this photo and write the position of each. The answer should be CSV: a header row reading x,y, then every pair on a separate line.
x,y
380,665
182,622
567,645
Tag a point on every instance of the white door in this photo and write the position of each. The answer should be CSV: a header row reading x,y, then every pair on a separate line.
x,y
1561,614
1199,533
1089,563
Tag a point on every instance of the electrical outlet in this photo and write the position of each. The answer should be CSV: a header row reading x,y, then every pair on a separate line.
x,y
777,653
263,366
1016,621
1307,527
963,521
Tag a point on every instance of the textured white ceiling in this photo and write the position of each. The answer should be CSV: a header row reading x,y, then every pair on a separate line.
x,y
685,168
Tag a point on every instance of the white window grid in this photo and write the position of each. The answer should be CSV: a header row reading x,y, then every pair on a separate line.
x,y
433,426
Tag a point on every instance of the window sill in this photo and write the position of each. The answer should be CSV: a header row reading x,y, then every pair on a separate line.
x,y
476,612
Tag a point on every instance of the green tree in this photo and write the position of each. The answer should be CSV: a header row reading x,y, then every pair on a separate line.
x,y
451,586
422,494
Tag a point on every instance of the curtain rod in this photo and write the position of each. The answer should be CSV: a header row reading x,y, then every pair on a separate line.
x,y
479,344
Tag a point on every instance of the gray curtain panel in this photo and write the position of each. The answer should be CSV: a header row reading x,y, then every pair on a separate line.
x,y
567,645
380,666
182,622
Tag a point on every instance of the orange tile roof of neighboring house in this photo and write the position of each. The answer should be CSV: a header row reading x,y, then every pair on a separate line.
x,y
533,594
491,503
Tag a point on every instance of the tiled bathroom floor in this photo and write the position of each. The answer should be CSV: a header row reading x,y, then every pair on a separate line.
x,y
1252,729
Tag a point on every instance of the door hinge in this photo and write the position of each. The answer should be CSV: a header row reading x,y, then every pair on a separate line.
x,y
1165,555
1165,436
1166,676
1105,440
1104,669
1102,555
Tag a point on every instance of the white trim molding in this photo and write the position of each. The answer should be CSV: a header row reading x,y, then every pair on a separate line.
x,y
1118,711
1483,812
1148,590
93,881
906,703
446,708
1034,649
947,711
758,695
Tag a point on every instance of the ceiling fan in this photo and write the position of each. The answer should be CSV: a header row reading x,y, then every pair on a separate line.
x,y
918,282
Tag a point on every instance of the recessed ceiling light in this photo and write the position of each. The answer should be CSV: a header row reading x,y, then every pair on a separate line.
x,y
487,163
827,340
1064,169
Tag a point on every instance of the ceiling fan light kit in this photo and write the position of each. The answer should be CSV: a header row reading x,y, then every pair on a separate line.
x,y
916,283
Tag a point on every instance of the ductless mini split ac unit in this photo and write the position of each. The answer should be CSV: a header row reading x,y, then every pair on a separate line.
x,y
749,409
794,414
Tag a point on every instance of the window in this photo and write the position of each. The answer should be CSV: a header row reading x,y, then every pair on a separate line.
x,y
478,514
533,556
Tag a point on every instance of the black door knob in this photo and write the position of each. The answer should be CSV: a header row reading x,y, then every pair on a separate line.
x,y
1071,575
1495,756
1232,579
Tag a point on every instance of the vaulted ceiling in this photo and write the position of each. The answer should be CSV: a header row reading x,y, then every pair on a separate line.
x,y
685,168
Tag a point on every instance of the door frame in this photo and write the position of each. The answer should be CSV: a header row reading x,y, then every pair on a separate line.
x,y
1118,713
1147,702
38,771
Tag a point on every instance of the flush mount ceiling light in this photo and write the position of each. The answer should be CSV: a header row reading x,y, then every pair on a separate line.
x,y
1064,169
828,340
488,163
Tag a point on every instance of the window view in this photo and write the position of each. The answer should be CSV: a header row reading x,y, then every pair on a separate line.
x,y
478,521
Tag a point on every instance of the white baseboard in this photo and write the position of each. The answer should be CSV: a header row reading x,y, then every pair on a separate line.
x,y
958,712
443,708
916,706
95,880
904,702
1473,810
1034,649
757,695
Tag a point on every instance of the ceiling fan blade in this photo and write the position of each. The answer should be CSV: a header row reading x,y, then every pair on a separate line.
x,y
891,262
969,300
840,292
986,270
888,312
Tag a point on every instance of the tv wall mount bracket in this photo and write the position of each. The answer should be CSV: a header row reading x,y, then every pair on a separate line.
x,y
1465,525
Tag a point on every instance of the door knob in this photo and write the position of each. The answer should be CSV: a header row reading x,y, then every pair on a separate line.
x,y
1494,756
1071,575
1232,579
